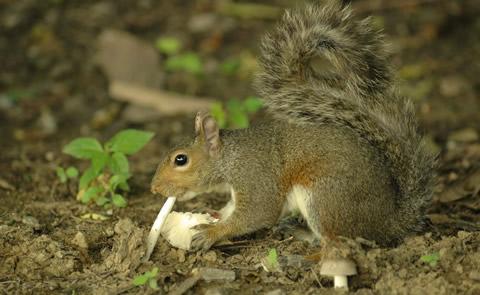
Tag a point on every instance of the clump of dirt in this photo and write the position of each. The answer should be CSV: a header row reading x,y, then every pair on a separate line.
x,y
31,257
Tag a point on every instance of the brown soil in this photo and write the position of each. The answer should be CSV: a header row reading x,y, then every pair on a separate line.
x,y
51,92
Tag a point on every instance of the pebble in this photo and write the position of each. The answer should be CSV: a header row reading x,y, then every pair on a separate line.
x,y
474,275
214,291
452,86
210,256
31,221
275,292
80,240
201,23
215,274
181,255
464,135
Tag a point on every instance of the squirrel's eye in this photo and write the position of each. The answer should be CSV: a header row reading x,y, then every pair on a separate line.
x,y
181,160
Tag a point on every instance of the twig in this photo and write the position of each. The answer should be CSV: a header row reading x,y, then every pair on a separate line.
x,y
367,7
317,278
164,102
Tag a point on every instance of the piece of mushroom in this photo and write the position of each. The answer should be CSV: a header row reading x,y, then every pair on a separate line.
x,y
339,268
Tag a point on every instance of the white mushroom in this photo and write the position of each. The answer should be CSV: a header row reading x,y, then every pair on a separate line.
x,y
339,268
157,226
178,231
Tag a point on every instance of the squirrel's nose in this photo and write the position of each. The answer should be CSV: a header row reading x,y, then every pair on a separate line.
x,y
155,187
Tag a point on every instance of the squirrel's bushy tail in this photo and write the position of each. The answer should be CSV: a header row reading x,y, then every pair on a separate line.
x,y
321,66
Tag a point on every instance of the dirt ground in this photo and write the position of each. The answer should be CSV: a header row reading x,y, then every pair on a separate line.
x,y
51,91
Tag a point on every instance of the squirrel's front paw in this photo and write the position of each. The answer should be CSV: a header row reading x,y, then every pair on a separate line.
x,y
204,238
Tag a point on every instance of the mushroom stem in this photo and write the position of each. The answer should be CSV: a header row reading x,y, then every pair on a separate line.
x,y
340,282
157,226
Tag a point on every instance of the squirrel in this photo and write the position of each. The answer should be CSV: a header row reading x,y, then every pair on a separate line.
x,y
341,145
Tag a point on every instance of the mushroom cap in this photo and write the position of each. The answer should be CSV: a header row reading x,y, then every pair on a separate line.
x,y
338,267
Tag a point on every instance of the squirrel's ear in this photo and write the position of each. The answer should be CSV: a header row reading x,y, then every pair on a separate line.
x,y
198,122
207,130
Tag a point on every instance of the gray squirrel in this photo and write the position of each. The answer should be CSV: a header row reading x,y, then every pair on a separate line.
x,y
341,148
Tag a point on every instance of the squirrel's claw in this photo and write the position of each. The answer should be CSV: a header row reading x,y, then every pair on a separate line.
x,y
204,238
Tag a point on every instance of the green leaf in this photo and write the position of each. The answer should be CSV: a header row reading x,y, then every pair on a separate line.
x,y
230,66
188,62
272,257
168,45
101,200
99,160
154,272
239,119
252,104
124,185
116,180
119,201
87,176
236,114
83,148
152,283
234,105
91,193
61,174
72,172
431,259
140,280
218,114
129,141
119,164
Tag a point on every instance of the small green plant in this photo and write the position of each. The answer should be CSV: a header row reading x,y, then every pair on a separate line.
x,y
230,66
270,262
65,174
168,45
149,277
431,259
109,170
235,113
189,62
17,95
272,257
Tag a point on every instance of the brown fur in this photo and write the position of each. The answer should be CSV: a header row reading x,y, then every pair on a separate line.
x,y
297,173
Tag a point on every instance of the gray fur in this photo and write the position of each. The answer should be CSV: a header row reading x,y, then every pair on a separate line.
x,y
341,133
356,92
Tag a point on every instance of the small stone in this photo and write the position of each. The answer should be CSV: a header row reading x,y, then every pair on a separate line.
x,y
181,255
459,269
474,275
451,86
109,232
202,23
49,156
463,235
80,240
215,274
6,185
31,221
464,135
210,256
118,56
213,291
275,292
452,176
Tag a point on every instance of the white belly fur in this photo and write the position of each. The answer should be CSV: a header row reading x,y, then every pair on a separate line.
x,y
297,201
226,211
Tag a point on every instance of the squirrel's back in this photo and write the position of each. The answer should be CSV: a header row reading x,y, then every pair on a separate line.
x,y
322,66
